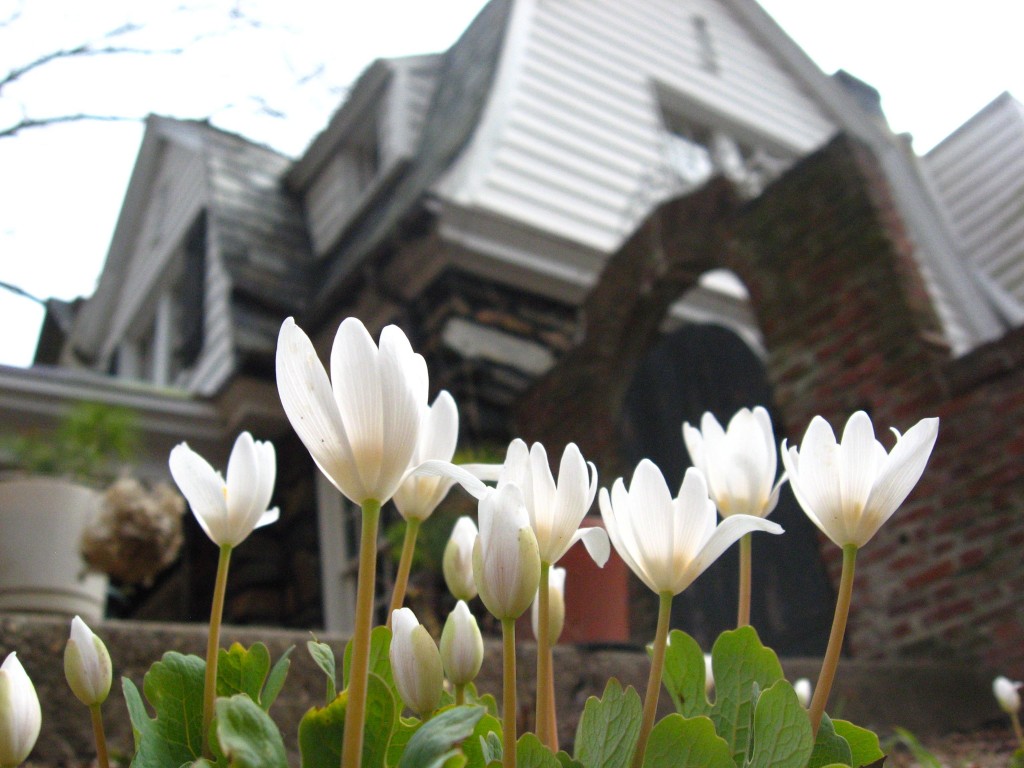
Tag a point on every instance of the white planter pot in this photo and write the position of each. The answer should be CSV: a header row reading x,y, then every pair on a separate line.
x,y
41,570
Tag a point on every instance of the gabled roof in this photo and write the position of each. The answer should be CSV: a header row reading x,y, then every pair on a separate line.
x,y
258,226
464,83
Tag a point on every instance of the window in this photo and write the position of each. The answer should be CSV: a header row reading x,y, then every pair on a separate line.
x,y
705,48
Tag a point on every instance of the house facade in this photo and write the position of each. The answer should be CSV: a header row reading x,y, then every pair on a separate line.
x,y
476,198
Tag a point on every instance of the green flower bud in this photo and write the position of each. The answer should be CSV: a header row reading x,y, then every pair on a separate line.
x,y
415,663
87,665
462,646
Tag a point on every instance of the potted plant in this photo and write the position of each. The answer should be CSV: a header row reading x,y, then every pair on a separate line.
x,y
53,508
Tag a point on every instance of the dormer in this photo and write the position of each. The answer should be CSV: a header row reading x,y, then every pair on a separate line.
x,y
367,144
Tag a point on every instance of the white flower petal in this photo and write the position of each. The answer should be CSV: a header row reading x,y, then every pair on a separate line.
x,y
595,540
311,407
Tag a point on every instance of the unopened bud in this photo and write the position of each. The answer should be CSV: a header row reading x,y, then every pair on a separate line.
x,y
1007,693
457,563
462,646
415,663
556,606
87,664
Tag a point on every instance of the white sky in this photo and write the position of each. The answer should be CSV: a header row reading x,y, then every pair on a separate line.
x,y
935,62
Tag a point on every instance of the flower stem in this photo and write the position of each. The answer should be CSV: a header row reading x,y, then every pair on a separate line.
x,y
101,739
654,680
835,639
412,528
553,709
460,694
355,714
508,700
544,672
743,613
1015,719
220,587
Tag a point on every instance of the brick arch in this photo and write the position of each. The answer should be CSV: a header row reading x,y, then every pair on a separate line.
x,y
847,324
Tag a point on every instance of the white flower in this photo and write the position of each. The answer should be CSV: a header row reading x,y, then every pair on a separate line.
x,y
228,511
1007,693
362,425
415,663
739,462
20,715
506,561
457,562
462,646
803,691
87,664
709,675
850,489
556,606
669,542
556,509
418,495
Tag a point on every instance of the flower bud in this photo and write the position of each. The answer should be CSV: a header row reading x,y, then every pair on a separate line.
x,y
415,663
709,675
1007,694
506,559
556,606
803,691
462,646
20,715
87,664
457,562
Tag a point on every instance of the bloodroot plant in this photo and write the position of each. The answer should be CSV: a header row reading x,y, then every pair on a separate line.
x,y
405,702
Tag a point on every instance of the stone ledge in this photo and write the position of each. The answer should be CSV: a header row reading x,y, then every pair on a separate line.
x,y
929,698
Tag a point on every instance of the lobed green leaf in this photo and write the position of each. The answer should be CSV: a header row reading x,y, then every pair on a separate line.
x,y
173,687
742,665
435,744
865,748
684,675
609,727
322,730
679,742
531,753
829,747
242,671
247,735
782,736
323,655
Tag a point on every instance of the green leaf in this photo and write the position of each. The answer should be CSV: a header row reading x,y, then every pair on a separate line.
x,y
275,681
567,762
609,727
679,742
1017,759
864,746
486,700
173,687
829,747
247,735
380,661
436,742
322,730
783,737
684,675
478,748
404,729
242,671
323,655
530,753
740,664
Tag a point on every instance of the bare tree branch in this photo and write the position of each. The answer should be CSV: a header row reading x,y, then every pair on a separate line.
x,y
28,123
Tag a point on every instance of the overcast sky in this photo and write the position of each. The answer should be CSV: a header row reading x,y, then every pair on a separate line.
x,y
936,63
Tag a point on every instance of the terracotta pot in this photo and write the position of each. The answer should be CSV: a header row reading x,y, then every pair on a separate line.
x,y
41,570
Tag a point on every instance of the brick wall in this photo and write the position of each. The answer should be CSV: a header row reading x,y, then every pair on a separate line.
x,y
847,325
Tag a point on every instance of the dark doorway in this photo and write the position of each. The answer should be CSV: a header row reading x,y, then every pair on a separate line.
x,y
702,368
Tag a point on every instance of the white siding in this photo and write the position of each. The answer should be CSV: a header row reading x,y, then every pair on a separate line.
x,y
178,196
572,142
978,173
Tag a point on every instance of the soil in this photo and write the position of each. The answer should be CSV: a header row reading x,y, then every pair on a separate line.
x,y
988,748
